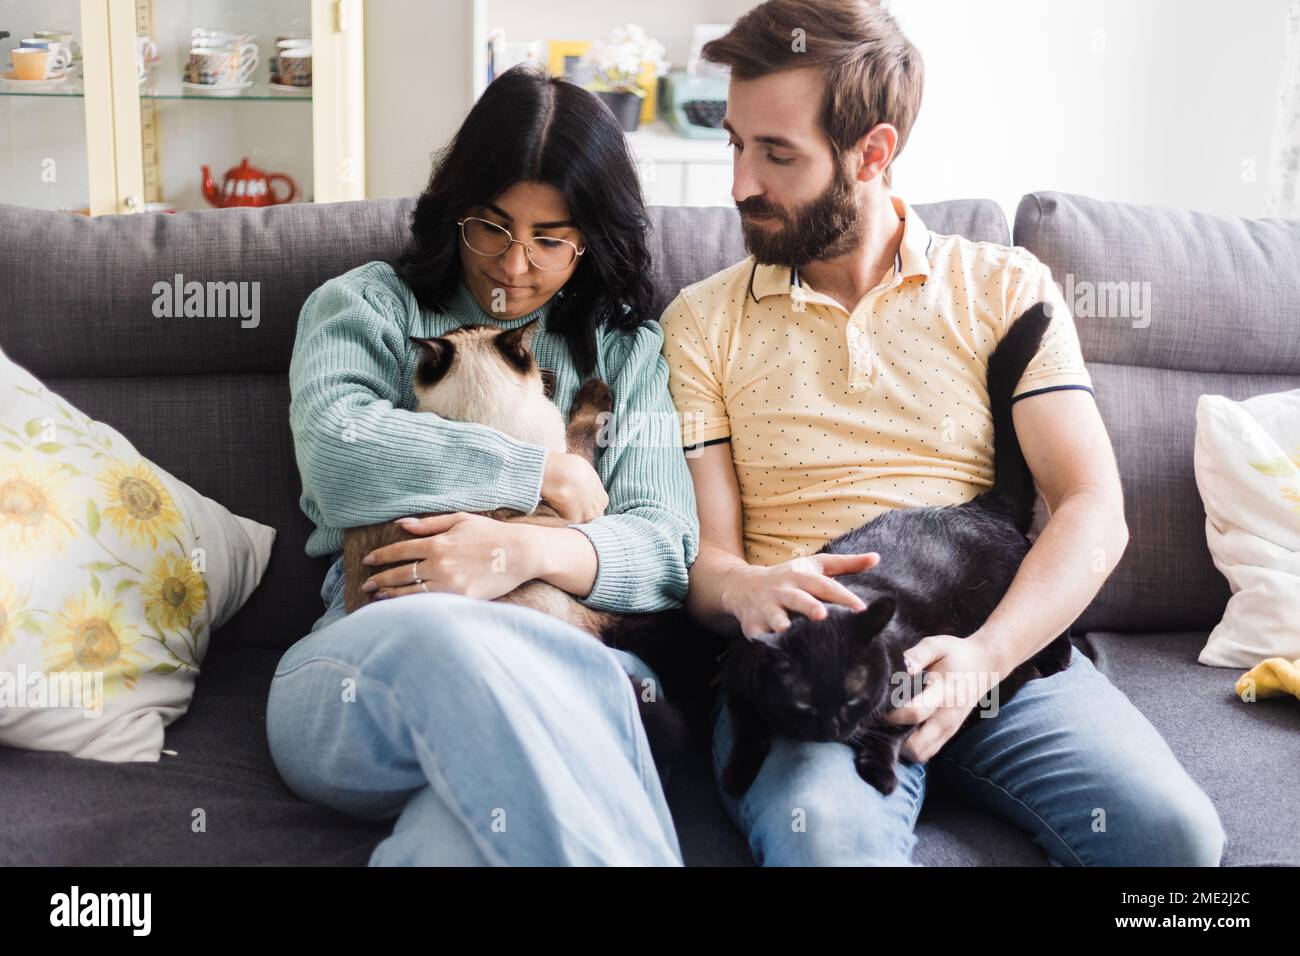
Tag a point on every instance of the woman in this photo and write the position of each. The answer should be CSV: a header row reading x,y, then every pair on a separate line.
x,y
497,734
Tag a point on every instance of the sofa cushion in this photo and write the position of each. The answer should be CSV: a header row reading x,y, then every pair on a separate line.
x,y
63,811
1243,755
113,576
1248,473
225,431
1219,312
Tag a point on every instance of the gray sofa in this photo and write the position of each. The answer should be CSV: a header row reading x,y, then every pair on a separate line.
x,y
208,400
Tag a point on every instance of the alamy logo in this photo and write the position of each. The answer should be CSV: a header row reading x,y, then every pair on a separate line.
x,y
1108,300
208,300
102,909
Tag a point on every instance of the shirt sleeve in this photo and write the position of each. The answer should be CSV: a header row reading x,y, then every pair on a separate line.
x,y
1059,361
362,458
647,540
693,380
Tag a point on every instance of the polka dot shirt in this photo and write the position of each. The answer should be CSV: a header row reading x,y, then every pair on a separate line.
x,y
834,416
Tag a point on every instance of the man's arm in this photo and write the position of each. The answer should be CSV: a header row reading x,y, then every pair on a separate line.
x,y
722,547
1065,443
732,597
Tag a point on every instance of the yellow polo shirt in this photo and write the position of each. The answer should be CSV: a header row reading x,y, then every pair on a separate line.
x,y
835,416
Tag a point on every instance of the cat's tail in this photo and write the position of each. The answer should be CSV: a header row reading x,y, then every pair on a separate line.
x,y
1013,484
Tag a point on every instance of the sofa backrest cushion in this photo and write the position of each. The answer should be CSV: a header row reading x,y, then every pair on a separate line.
x,y
1169,305
207,398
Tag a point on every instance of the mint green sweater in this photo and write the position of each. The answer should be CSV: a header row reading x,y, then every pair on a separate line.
x,y
365,455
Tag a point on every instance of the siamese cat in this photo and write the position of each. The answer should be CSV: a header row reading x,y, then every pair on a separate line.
x,y
478,373
942,571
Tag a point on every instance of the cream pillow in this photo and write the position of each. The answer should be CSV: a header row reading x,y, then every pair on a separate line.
x,y
113,575
1247,462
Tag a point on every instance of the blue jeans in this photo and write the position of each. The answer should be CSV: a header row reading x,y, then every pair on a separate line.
x,y
1068,759
494,733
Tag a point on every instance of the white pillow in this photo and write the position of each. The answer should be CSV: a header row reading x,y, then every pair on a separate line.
x,y
1247,462
113,574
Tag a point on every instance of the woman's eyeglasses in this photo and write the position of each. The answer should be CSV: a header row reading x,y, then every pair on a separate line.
x,y
544,252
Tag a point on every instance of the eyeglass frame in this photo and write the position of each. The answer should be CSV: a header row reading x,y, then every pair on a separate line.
x,y
528,246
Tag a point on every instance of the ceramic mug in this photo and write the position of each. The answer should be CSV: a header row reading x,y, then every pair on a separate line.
x,y
281,45
64,37
295,67
218,39
146,55
60,58
221,67
30,63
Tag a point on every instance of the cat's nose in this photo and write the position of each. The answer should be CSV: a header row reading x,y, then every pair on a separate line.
x,y
831,728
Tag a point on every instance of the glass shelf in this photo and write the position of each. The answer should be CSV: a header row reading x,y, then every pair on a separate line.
x,y
261,91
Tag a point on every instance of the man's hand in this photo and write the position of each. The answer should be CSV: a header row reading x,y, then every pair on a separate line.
x,y
760,597
958,672
460,553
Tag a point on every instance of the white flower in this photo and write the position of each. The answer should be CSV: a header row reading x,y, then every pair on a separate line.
x,y
620,58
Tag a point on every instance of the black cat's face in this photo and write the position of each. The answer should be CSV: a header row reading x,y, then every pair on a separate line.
x,y
823,680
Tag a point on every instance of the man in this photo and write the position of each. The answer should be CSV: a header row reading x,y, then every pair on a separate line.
x,y
840,370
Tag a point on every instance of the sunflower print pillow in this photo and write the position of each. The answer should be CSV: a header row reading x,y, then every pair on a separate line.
x,y
113,575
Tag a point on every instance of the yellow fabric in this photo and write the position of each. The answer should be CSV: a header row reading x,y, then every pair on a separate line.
x,y
834,417
1275,677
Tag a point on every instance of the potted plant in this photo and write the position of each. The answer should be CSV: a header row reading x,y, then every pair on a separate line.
x,y
620,62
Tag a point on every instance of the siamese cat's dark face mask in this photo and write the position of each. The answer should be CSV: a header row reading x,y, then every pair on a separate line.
x,y
493,357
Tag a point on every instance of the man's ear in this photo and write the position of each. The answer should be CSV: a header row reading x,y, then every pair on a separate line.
x,y
873,153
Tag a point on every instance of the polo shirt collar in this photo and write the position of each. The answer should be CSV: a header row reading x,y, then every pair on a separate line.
x,y
912,258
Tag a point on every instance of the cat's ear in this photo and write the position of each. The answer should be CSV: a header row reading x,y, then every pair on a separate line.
x,y
871,621
435,348
521,338
435,358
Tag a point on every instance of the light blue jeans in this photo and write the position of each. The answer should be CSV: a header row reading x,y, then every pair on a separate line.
x,y
1068,759
495,734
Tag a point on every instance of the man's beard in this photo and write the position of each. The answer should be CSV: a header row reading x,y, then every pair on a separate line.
x,y
821,229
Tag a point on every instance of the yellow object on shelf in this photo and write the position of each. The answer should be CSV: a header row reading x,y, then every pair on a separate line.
x,y
1275,677
650,83
562,53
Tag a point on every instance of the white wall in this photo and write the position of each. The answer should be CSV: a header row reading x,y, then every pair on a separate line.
x,y
418,88
1161,102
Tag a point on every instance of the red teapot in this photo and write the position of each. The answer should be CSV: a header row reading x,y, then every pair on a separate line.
x,y
246,185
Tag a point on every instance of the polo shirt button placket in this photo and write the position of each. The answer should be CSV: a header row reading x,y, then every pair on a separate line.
x,y
859,358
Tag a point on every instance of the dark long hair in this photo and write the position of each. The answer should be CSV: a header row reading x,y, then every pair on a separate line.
x,y
531,127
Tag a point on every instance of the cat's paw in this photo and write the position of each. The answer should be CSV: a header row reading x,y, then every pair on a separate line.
x,y
879,775
594,397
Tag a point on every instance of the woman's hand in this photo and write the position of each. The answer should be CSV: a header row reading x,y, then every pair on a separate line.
x,y
459,553
759,597
571,486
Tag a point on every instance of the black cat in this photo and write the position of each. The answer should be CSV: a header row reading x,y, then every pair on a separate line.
x,y
942,571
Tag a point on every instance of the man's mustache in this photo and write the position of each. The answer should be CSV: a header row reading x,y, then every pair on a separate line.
x,y
757,206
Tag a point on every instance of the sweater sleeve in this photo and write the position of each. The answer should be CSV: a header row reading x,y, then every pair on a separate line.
x,y
648,538
363,459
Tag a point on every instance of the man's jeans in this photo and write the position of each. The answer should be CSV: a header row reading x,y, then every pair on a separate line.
x,y
494,733
1068,759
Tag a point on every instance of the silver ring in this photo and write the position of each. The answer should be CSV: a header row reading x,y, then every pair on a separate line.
x,y
424,586
415,575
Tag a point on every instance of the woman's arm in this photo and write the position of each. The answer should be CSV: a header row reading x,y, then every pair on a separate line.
x,y
363,459
646,543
